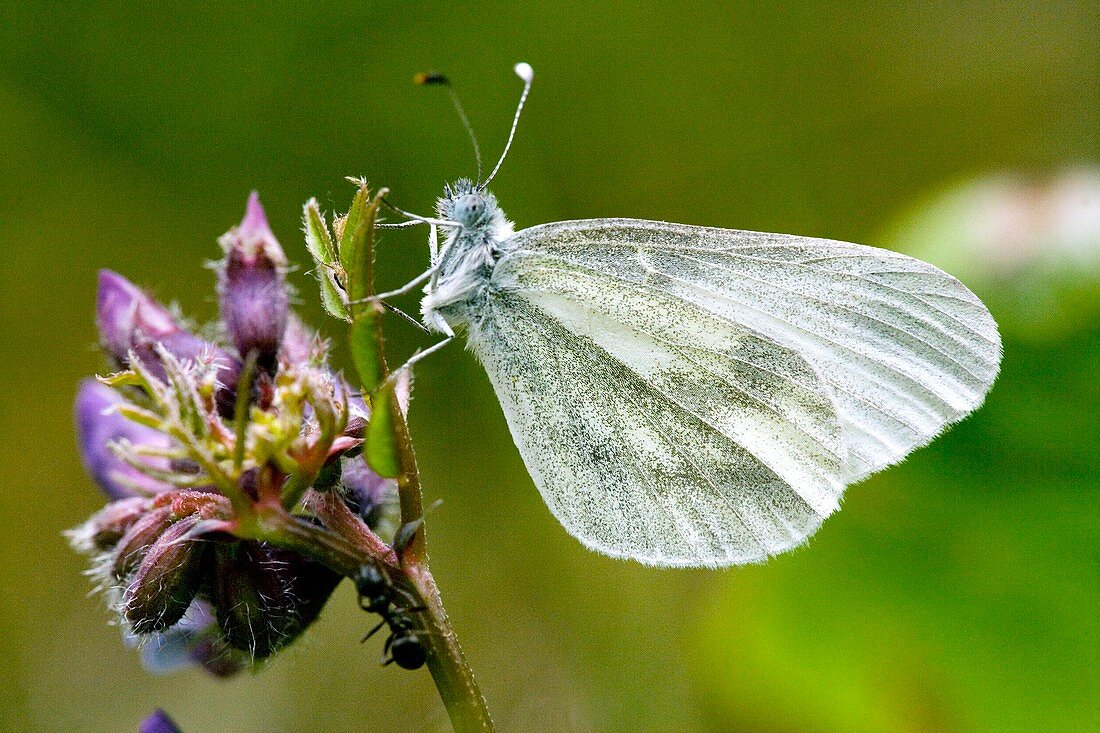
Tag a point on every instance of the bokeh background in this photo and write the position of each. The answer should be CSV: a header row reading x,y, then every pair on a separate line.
x,y
956,592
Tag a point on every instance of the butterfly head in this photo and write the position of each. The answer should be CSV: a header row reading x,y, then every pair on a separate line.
x,y
463,202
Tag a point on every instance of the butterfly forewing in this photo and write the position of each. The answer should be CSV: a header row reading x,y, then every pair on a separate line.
x,y
694,396
903,348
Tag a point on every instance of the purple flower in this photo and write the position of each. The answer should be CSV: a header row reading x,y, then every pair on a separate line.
x,y
166,551
131,321
98,425
196,639
365,492
158,722
252,288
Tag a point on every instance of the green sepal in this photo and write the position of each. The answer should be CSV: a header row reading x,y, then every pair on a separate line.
x,y
318,240
354,245
328,269
121,379
331,297
381,448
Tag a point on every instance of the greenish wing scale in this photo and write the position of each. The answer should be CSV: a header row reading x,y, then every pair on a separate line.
x,y
654,429
903,348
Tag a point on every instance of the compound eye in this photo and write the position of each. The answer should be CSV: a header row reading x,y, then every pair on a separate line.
x,y
468,209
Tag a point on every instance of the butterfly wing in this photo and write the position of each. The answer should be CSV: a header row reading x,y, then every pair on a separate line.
x,y
692,396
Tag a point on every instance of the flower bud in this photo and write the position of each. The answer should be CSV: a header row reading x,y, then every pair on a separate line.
x,y
300,344
97,425
158,722
129,320
135,543
107,526
252,288
122,310
166,581
265,596
364,491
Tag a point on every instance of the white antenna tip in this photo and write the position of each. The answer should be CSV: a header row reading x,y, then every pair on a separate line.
x,y
525,72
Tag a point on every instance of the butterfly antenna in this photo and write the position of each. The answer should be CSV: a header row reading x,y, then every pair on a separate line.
x,y
443,81
526,73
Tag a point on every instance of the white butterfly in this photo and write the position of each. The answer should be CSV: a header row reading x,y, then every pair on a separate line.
x,y
691,396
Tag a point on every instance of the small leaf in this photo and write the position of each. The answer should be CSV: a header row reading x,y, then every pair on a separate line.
x,y
352,240
332,297
328,270
366,351
318,240
381,448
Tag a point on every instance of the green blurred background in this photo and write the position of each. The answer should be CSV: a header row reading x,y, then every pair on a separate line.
x,y
957,592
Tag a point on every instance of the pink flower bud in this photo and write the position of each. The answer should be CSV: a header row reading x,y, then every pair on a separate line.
x,y
166,581
252,288
107,527
97,426
135,543
300,344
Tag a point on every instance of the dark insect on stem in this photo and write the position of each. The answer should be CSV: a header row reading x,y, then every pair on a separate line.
x,y
379,594
407,531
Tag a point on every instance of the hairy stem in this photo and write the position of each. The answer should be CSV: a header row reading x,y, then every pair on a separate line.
x,y
390,452
452,675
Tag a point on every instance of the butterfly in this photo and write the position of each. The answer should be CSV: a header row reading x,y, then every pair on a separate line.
x,y
693,396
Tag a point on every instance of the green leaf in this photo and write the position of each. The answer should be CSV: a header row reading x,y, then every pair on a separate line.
x,y
355,249
381,448
357,258
366,351
328,269
332,298
318,240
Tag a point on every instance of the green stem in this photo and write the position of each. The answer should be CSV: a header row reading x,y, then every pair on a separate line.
x,y
346,553
452,675
393,452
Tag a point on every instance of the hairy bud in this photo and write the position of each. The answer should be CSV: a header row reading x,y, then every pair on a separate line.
x,y
105,528
266,596
167,579
98,425
131,321
252,288
135,543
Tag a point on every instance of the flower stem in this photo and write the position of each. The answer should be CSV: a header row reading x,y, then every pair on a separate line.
x,y
453,677
345,551
389,451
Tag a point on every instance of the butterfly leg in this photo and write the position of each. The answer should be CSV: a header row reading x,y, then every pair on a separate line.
x,y
407,287
399,224
420,355
433,242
